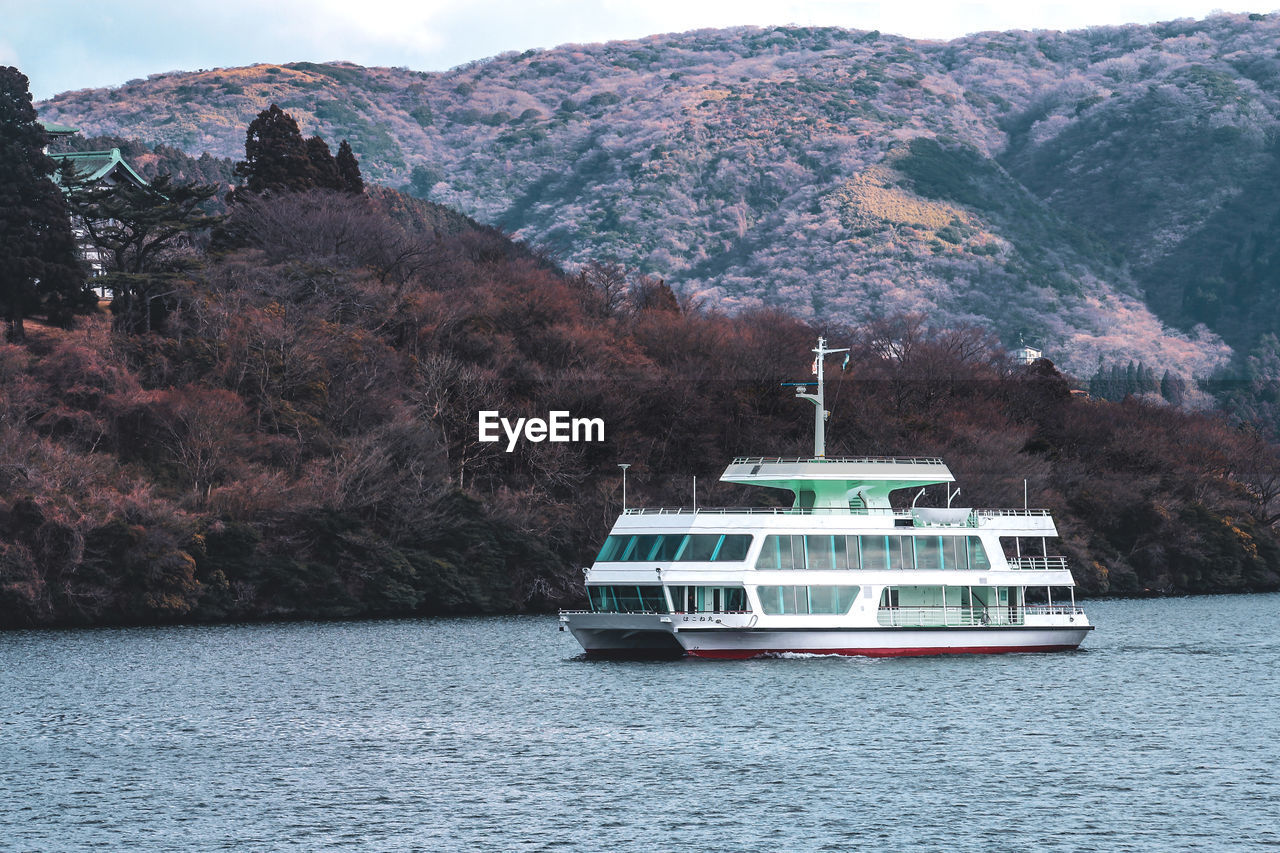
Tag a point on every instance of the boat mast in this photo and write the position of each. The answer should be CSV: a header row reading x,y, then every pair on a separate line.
x,y
819,399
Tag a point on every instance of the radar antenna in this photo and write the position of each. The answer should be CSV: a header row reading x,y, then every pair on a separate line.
x,y
819,399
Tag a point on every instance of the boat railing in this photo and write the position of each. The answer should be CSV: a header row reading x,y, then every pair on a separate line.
x,y
615,612
1054,609
950,616
1002,513
659,612
972,520
764,510
711,612
1037,563
768,460
965,616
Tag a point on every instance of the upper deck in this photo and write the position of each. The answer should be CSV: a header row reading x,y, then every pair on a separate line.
x,y
835,483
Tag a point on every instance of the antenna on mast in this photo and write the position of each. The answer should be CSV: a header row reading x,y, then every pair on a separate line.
x,y
819,399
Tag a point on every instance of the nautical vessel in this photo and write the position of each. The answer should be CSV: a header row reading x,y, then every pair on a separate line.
x,y
843,570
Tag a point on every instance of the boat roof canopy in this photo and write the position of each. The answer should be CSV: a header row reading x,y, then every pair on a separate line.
x,y
837,482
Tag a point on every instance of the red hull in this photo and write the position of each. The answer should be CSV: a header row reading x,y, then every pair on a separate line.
x,y
744,654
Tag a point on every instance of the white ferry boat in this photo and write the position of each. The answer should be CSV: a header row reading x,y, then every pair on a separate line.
x,y
841,571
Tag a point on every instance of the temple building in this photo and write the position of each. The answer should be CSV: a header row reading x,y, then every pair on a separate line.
x,y
97,167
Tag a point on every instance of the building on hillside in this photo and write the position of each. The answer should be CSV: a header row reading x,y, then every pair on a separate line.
x,y
97,167
1025,353
53,131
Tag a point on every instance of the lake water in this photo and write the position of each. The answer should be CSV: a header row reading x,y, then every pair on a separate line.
x,y
492,734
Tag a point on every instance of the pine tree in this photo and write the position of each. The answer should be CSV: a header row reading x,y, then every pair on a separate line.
x,y
137,226
40,270
323,166
275,156
349,169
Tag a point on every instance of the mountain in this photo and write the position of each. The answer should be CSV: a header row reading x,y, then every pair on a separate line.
x,y
1109,193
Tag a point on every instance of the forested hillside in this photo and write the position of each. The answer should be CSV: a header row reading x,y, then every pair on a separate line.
x,y
1107,192
292,432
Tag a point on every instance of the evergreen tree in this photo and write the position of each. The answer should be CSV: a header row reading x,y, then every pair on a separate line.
x,y
349,169
275,155
40,270
1173,389
1256,399
135,226
1147,383
1098,384
1115,383
421,180
324,167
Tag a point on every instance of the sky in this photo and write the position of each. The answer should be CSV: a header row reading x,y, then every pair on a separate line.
x,y
74,44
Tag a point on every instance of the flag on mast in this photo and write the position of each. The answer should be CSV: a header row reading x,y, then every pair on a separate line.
x,y
814,369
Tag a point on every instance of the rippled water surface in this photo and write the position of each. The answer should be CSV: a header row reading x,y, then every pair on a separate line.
x,y
492,734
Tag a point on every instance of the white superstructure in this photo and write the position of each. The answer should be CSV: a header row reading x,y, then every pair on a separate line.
x,y
841,571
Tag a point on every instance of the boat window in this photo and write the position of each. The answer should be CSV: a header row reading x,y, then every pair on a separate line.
x,y
629,598
782,552
642,548
613,548
770,598
706,547
832,599
668,545
875,553
626,599
734,548
846,552
779,600
870,553
901,552
699,547
928,552
708,599
768,558
776,600
820,551
797,553
978,555
600,598
651,599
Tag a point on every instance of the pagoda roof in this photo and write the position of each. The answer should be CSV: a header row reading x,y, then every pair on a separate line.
x,y
98,165
58,129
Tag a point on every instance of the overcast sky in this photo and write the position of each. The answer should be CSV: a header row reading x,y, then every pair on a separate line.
x,y
73,44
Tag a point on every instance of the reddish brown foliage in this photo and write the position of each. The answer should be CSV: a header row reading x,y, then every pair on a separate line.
x,y
303,438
